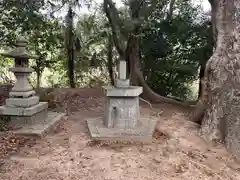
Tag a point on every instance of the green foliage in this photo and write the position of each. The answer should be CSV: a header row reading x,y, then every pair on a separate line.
x,y
93,32
19,17
5,64
43,34
173,50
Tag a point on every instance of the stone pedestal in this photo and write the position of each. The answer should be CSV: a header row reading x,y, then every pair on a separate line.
x,y
122,107
27,114
122,119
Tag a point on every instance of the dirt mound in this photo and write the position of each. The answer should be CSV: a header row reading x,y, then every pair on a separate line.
x,y
73,100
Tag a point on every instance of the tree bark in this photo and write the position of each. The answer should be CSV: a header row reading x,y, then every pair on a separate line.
x,y
39,75
70,48
221,121
213,16
110,60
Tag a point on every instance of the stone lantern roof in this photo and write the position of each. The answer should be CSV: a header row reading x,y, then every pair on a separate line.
x,y
20,50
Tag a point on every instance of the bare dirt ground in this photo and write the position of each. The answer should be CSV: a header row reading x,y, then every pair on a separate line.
x,y
67,153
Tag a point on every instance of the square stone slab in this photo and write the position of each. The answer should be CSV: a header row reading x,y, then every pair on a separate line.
x,y
17,111
22,102
131,91
142,133
40,129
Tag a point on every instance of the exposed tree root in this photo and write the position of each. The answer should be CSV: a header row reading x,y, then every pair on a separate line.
x,y
151,107
153,97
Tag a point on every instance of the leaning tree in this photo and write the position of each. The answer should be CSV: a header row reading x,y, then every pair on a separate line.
x,y
125,33
221,93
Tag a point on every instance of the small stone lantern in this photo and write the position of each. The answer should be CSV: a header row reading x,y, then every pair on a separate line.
x,y
22,87
26,112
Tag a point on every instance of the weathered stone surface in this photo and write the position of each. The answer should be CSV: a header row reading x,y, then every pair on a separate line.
x,y
22,94
4,110
121,112
122,70
42,127
122,83
122,92
142,133
37,118
121,119
22,102
22,84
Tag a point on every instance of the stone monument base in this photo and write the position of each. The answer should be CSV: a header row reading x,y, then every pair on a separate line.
x,y
34,120
142,133
20,111
44,126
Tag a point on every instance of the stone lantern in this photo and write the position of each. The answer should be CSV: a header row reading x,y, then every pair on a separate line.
x,y
26,112
22,88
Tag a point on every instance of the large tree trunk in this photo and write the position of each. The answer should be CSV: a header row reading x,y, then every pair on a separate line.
x,y
132,58
221,120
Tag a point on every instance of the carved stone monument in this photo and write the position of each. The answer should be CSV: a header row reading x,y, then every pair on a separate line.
x,y
122,119
28,115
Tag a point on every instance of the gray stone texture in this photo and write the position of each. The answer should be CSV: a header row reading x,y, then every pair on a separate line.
x,y
22,102
130,91
22,84
38,118
143,132
122,83
121,112
122,119
21,111
22,94
43,126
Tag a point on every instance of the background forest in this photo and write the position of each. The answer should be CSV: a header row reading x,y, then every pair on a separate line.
x,y
78,43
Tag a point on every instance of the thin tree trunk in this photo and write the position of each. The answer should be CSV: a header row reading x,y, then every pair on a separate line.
x,y
221,120
70,49
39,80
201,76
110,60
